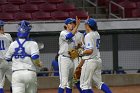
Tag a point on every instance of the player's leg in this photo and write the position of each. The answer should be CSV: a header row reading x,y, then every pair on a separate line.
x,y
77,82
70,78
97,78
31,83
2,79
9,75
88,69
17,85
63,72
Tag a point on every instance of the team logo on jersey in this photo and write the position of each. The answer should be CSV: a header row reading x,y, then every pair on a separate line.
x,y
20,51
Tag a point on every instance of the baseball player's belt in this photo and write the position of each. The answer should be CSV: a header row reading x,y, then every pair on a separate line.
x,y
66,56
24,69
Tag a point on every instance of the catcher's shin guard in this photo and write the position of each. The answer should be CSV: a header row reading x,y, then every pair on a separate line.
x,y
68,90
1,90
60,90
105,88
77,84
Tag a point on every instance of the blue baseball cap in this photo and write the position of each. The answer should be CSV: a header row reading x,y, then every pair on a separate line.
x,y
69,20
1,23
91,22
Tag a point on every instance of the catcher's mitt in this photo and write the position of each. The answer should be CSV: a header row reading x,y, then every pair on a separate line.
x,y
73,53
77,73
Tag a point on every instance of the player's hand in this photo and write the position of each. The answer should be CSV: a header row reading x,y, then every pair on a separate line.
x,y
88,17
77,21
40,64
80,51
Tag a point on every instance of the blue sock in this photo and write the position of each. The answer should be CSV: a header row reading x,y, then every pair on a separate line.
x,y
1,90
87,91
78,86
105,88
60,90
68,90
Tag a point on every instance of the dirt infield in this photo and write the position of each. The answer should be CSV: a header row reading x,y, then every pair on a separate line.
x,y
122,89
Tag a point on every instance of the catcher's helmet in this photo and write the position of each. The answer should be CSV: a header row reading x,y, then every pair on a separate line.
x,y
24,29
1,23
92,23
69,20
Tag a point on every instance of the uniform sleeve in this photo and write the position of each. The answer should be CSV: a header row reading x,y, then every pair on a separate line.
x,y
9,53
66,36
9,37
89,44
34,50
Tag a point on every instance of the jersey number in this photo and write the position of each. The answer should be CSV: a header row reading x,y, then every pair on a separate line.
x,y
2,45
98,43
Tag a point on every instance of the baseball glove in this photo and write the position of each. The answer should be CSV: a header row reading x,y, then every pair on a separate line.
x,y
77,73
73,53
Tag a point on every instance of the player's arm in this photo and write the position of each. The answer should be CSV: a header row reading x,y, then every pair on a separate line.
x,y
37,62
76,26
35,54
72,33
80,64
9,53
88,49
87,52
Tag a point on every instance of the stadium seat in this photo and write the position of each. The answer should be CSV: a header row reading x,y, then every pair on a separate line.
x,y
11,8
41,16
134,0
6,16
103,2
128,5
59,15
48,7
2,2
55,1
18,2
136,13
22,16
80,13
138,4
29,8
0,9
37,1
119,1
66,7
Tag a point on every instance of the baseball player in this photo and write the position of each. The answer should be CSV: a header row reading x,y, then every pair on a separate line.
x,y
66,65
91,66
5,68
24,54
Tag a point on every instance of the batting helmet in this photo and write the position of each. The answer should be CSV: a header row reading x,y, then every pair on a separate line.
x,y
24,29
1,23
92,23
69,20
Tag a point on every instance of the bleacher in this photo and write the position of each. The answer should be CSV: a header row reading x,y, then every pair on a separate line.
x,y
14,10
125,8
